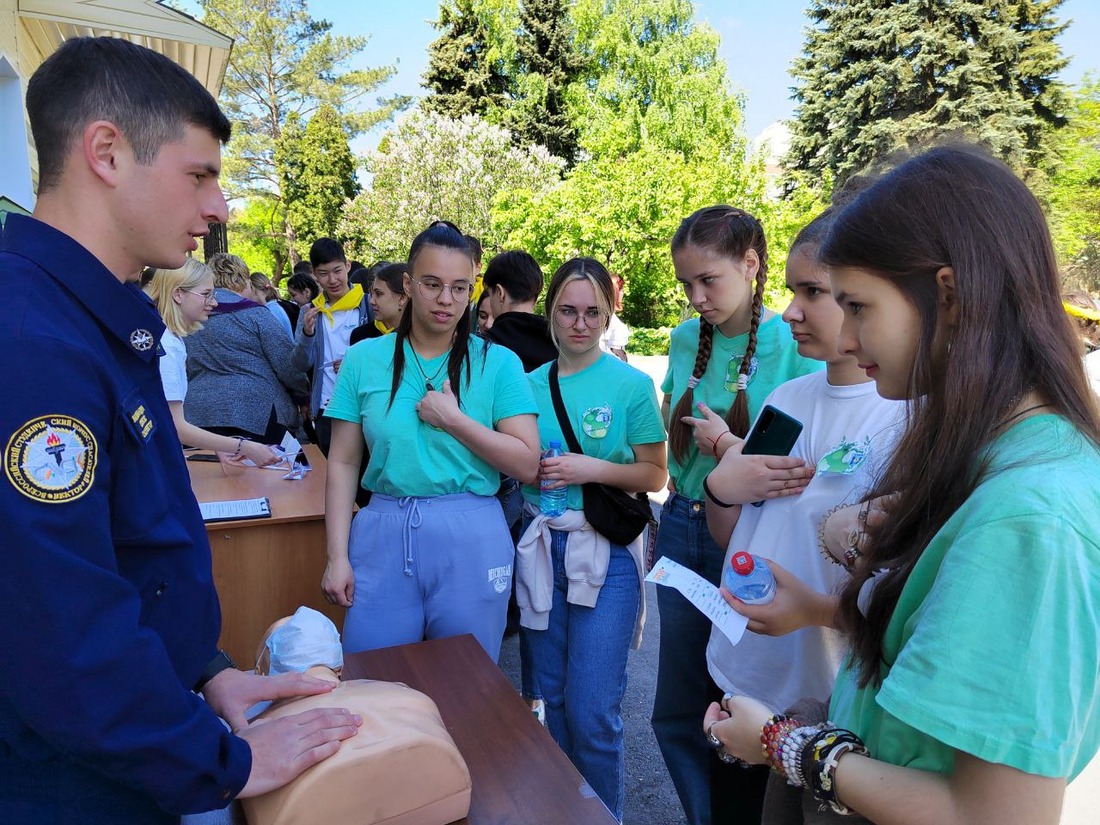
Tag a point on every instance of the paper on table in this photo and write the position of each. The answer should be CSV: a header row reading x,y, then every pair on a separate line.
x,y
244,508
287,450
700,593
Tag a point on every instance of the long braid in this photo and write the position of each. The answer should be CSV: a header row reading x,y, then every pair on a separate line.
x,y
680,434
738,416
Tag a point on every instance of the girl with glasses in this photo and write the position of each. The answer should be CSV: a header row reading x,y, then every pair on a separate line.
x,y
972,690
443,414
185,298
581,596
729,358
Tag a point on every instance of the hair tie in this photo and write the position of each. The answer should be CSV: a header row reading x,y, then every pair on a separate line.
x,y
742,382
693,382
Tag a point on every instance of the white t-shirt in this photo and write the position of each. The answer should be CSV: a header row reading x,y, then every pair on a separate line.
x,y
173,366
848,434
1092,371
617,335
337,335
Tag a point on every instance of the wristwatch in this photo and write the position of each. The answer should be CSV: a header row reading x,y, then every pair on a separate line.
x,y
217,665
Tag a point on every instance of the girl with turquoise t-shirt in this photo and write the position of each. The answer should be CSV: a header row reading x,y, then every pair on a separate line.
x,y
443,414
972,690
580,595
729,358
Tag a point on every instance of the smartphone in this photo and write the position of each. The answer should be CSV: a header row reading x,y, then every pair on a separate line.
x,y
774,433
203,457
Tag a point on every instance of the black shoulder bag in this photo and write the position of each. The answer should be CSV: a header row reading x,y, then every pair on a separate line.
x,y
617,515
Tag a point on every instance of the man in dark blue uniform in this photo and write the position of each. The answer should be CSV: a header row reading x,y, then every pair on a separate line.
x,y
108,615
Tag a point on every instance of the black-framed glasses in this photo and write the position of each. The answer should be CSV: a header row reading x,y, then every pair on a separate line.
x,y
567,317
432,288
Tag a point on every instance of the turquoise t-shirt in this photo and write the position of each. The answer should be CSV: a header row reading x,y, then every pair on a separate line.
x,y
776,361
994,646
408,457
611,405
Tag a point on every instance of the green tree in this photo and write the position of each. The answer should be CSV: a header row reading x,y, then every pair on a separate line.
x,y
546,63
653,78
318,173
286,62
259,236
432,167
467,71
877,75
1074,191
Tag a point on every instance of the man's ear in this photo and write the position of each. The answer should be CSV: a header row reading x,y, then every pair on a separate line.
x,y
104,148
948,300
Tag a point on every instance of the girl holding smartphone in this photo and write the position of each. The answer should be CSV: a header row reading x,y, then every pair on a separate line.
x,y
972,691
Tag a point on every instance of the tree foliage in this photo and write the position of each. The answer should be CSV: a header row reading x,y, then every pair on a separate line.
x,y
546,64
432,167
467,69
1074,191
317,170
876,75
259,236
283,63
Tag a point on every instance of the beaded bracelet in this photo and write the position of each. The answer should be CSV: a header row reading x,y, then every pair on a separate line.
x,y
772,735
790,752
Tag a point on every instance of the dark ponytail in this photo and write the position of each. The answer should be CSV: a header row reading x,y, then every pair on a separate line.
x,y
729,232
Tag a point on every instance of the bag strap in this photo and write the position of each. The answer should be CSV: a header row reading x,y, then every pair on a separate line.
x,y
559,409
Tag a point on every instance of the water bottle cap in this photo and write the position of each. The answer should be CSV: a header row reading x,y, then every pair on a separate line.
x,y
742,563
555,445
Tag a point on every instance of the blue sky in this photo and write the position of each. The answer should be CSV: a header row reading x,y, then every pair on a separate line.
x,y
759,40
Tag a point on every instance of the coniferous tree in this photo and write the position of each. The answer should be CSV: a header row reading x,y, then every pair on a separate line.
x,y
465,74
318,173
547,63
877,75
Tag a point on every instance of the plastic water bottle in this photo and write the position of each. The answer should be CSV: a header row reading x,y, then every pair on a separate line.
x,y
552,502
750,579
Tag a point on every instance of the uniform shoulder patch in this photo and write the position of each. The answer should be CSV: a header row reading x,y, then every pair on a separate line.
x,y
52,459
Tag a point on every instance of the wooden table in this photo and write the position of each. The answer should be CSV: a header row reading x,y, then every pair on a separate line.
x,y
519,775
265,569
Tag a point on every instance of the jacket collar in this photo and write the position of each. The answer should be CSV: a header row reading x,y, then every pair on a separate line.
x,y
122,309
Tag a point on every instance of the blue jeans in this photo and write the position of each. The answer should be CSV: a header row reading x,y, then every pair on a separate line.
x,y
580,663
684,686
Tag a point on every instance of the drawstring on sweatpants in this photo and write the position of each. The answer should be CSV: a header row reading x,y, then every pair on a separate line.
x,y
413,519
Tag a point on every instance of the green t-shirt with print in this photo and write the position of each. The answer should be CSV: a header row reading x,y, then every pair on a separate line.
x,y
775,362
408,457
611,405
994,647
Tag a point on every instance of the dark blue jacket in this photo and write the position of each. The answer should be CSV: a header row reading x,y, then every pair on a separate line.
x,y
108,612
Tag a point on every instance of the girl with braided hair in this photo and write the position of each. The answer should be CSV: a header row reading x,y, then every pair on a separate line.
x,y
721,366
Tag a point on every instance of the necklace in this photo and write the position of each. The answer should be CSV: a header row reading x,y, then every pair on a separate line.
x,y
1004,424
428,385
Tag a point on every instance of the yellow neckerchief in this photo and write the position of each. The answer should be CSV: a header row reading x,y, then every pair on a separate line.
x,y
385,330
349,300
1082,312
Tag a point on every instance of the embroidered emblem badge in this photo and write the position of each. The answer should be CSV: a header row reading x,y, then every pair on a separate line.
x,y
597,421
141,340
52,459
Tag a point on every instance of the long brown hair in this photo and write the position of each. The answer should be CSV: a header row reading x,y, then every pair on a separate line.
x,y
956,207
729,232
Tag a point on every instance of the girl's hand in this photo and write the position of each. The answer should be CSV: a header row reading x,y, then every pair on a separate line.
x,y
438,408
709,430
261,455
567,469
338,583
794,607
737,724
741,479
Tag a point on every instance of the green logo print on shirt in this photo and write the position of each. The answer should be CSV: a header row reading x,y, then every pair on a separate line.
x,y
845,458
597,421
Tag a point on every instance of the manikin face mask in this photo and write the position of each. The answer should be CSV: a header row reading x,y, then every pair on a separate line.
x,y
306,639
